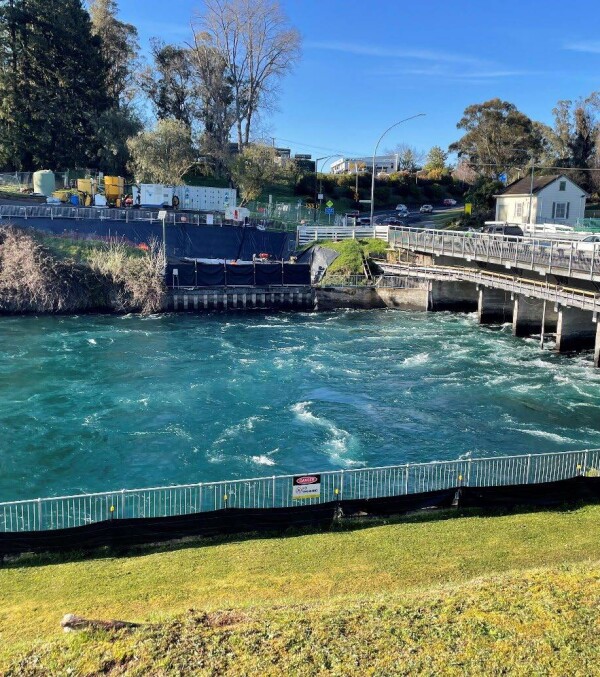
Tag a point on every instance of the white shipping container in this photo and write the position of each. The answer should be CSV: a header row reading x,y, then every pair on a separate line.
x,y
153,195
206,198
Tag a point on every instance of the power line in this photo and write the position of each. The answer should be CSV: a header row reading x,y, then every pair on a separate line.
x,y
308,145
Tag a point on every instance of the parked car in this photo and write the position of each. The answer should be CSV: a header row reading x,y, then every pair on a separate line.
x,y
589,243
509,230
364,220
449,202
401,208
426,209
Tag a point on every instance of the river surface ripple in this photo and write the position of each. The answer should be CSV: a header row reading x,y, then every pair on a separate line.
x,y
96,403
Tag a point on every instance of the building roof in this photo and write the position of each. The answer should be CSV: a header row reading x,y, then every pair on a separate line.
x,y
523,186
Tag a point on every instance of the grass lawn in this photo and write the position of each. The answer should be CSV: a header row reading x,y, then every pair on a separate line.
x,y
77,250
417,590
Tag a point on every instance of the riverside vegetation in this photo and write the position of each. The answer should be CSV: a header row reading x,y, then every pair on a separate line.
x,y
469,594
43,274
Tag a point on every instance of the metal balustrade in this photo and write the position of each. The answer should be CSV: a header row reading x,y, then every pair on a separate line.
x,y
308,234
559,295
276,491
572,258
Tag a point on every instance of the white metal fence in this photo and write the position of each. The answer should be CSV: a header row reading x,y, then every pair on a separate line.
x,y
276,492
307,234
102,214
565,257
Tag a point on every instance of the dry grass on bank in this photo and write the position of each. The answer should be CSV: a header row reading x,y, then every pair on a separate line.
x,y
35,277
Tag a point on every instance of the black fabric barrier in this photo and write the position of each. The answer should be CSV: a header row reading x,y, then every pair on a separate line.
x,y
186,274
126,532
546,494
240,274
296,273
183,240
268,273
210,274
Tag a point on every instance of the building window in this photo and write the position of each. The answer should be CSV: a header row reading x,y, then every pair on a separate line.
x,y
561,210
562,185
518,209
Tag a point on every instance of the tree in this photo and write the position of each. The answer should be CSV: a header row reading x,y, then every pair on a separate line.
x,y
52,85
409,158
497,136
435,164
112,129
216,112
258,47
162,155
252,169
170,83
119,47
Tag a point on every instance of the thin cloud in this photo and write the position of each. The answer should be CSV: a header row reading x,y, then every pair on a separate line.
x,y
369,50
586,46
441,71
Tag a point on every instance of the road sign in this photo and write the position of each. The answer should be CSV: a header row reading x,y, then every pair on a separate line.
x,y
320,196
329,203
468,207
329,210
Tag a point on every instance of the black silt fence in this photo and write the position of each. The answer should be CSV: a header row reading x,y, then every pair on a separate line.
x,y
126,532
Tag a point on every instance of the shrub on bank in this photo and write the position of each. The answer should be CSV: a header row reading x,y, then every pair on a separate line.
x,y
108,277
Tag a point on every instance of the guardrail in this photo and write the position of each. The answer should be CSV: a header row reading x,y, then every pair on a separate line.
x,y
102,214
411,478
564,257
308,234
564,296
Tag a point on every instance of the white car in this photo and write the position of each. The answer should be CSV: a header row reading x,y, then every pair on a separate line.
x,y
426,209
401,208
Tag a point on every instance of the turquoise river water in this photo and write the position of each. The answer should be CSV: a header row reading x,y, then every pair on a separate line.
x,y
96,403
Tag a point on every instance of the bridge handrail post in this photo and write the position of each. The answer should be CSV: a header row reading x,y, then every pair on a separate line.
x,y
571,258
551,256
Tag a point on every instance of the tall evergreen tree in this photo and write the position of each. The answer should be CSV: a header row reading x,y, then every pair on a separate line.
x,y
52,85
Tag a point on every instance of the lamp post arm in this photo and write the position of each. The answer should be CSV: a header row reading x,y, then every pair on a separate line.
x,y
412,117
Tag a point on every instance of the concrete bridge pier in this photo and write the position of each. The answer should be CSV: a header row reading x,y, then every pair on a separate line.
x,y
450,295
529,315
494,305
597,348
576,330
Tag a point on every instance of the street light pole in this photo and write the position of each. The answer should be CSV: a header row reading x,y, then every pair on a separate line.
x,y
325,158
412,117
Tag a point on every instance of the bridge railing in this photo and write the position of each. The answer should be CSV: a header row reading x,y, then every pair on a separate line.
x,y
570,257
564,296
276,491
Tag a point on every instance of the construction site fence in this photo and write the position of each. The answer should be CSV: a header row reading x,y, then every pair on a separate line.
x,y
277,491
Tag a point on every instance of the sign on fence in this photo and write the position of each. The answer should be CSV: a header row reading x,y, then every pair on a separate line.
x,y
306,486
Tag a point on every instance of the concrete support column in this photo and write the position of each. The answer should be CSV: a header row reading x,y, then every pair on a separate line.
x,y
575,330
597,348
494,305
528,315
458,296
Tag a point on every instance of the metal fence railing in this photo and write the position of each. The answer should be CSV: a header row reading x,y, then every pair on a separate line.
x,y
276,491
562,256
105,214
307,234
557,294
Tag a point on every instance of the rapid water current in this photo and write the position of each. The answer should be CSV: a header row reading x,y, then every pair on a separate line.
x,y
98,402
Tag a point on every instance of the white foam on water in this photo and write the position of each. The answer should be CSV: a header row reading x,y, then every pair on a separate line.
x,y
554,437
92,342
262,460
416,360
340,441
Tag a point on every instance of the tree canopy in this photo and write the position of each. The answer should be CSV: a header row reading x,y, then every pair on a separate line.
x,y
52,85
497,137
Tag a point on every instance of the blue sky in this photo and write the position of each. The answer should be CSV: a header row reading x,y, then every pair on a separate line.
x,y
369,63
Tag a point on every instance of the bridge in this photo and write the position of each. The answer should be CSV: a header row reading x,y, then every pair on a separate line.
x,y
544,255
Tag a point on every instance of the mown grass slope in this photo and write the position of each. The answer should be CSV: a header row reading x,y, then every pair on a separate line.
x,y
449,589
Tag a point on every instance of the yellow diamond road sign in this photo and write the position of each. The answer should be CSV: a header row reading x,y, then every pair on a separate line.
x,y
329,203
